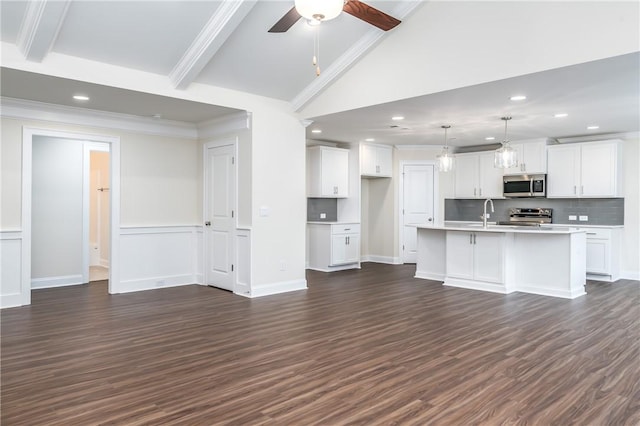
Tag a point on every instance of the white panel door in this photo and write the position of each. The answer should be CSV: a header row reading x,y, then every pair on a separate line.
x,y
219,217
417,206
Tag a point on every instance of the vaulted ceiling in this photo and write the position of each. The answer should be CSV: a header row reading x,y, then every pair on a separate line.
x,y
185,47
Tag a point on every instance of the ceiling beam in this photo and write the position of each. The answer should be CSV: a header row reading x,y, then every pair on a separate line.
x,y
348,58
223,22
40,27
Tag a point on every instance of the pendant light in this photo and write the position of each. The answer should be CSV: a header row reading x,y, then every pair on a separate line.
x,y
505,157
445,159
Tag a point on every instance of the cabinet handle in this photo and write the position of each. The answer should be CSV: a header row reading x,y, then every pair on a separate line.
x,y
377,169
481,192
581,189
474,192
470,238
591,233
474,239
335,190
574,189
347,229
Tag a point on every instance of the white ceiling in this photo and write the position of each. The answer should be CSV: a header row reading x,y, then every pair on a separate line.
x,y
226,45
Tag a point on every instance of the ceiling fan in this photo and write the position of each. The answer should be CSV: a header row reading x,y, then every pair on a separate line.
x,y
324,10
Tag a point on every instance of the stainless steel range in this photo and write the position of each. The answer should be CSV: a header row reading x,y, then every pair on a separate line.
x,y
535,216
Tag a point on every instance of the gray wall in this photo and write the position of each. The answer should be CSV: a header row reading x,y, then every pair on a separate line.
x,y
601,211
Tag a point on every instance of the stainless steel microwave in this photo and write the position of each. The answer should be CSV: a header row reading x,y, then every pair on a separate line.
x,y
525,186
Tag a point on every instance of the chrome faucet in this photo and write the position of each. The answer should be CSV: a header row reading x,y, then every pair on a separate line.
x,y
484,214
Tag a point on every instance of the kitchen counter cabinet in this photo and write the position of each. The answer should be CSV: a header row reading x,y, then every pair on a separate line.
x,y
548,261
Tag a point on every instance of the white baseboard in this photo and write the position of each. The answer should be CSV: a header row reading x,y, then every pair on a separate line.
x,y
155,283
199,279
276,288
429,276
473,285
337,268
390,260
565,294
61,281
10,300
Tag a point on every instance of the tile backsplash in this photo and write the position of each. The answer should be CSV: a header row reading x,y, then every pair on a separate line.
x,y
600,211
317,206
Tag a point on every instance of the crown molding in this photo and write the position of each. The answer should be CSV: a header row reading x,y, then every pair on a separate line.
x,y
223,125
348,58
40,111
223,22
40,27
418,147
599,137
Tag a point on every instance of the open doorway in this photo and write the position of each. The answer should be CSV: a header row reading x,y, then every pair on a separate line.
x,y
56,248
97,160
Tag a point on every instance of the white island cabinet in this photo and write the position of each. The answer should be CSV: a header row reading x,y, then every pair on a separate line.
x,y
475,256
549,261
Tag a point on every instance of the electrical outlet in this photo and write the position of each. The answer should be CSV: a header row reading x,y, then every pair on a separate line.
x,y
283,265
323,215
583,218
573,217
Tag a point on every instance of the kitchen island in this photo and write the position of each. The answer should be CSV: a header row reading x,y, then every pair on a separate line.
x,y
545,260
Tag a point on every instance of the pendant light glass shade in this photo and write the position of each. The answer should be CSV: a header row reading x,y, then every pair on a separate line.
x,y
319,10
505,157
445,159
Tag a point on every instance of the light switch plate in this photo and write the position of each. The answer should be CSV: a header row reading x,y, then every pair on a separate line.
x,y
573,217
323,215
583,218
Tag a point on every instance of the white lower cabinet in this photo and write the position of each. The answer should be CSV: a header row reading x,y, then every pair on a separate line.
x,y
477,256
603,257
334,247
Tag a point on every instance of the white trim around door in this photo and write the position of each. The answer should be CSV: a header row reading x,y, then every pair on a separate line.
x,y
27,173
436,198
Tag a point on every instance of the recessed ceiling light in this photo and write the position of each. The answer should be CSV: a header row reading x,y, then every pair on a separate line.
x,y
397,118
518,98
80,97
369,140
489,138
316,131
560,115
592,127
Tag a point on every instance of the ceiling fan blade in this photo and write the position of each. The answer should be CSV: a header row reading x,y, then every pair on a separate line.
x,y
370,14
286,22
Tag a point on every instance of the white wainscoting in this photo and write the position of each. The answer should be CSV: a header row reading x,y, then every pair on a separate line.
x,y
243,262
158,256
10,269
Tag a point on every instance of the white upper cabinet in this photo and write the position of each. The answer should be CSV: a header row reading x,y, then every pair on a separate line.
x,y
476,177
327,172
589,170
532,158
376,160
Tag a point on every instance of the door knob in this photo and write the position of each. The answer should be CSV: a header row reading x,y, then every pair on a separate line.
x,y
207,223
430,219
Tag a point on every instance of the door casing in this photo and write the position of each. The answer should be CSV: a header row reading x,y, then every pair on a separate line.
x,y
27,178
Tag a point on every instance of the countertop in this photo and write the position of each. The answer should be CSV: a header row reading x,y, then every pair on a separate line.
x,y
477,227
311,222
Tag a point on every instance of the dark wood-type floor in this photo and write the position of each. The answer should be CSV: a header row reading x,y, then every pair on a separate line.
x,y
367,347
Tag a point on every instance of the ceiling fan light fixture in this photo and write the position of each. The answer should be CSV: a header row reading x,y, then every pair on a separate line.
x,y
319,10
505,157
445,159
